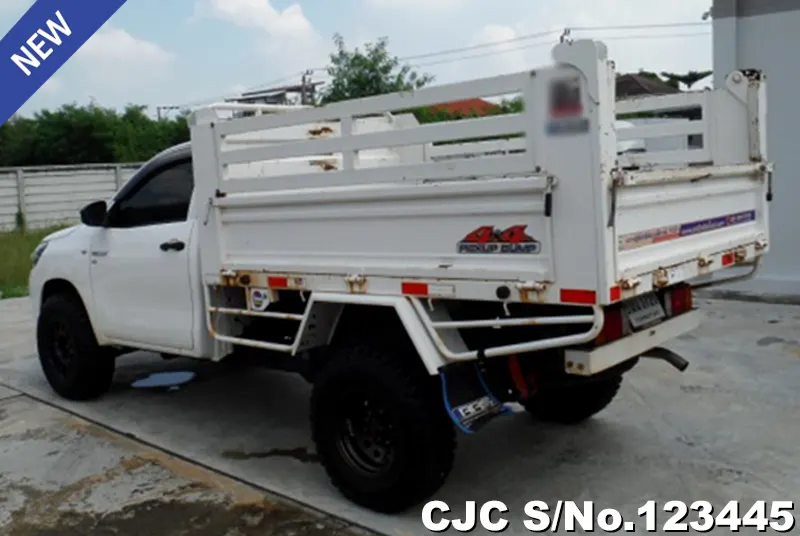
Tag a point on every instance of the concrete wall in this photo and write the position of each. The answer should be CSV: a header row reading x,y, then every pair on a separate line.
x,y
766,35
54,195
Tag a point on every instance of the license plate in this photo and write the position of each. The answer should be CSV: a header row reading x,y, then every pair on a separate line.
x,y
644,310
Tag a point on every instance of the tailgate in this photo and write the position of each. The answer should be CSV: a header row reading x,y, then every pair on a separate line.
x,y
696,199
690,228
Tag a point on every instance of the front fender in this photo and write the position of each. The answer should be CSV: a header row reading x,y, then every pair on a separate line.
x,y
64,266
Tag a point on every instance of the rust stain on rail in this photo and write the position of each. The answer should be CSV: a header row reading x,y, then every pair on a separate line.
x,y
321,131
326,165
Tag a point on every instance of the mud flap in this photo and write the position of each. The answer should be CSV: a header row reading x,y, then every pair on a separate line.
x,y
467,398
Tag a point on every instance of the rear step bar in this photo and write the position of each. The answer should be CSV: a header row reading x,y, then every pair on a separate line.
x,y
645,343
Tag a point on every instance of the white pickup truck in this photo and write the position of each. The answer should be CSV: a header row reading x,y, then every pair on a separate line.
x,y
425,278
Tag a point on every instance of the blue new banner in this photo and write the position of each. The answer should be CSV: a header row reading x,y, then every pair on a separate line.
x,y
42,41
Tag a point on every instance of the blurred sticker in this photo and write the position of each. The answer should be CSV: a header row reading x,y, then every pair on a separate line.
x,y
259,299
561,127
566,108
658,235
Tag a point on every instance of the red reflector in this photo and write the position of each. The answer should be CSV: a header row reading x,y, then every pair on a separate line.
x,y
612,327
278,282
615,293
578,296
728,259
418,289
681,299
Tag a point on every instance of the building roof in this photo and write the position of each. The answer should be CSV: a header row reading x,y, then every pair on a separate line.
x,y
467,106
631,85
273,94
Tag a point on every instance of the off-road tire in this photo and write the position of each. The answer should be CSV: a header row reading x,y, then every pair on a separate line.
x,y
422,434
574,404
89,369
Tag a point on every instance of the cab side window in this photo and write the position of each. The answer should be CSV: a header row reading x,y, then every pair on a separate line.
x,y
163,197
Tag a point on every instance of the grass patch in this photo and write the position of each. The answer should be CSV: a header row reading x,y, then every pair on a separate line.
x,y
15,259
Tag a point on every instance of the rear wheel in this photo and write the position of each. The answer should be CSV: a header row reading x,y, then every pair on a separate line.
x,y
573,404
380,429
75,366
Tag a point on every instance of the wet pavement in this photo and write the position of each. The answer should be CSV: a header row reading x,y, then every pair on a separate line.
x,y
726,429
63,476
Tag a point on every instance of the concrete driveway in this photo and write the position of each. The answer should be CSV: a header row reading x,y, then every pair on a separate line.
x,y
61,475
726,429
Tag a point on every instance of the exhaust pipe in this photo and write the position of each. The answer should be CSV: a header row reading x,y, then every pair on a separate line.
x,y
669,356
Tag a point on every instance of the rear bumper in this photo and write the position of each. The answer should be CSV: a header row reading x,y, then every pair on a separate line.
x,y
590,362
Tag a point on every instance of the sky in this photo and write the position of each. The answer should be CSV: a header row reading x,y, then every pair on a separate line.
x,y
179,52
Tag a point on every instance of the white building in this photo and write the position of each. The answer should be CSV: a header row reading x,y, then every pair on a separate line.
x,y
765,35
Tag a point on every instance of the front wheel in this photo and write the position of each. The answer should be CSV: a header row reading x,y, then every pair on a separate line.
x,y
75,366
380,430
573,404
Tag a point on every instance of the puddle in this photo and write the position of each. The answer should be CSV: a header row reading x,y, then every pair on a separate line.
x,y
300,454
767,341
171,381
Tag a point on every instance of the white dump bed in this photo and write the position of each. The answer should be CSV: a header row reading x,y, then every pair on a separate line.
x,y
558,203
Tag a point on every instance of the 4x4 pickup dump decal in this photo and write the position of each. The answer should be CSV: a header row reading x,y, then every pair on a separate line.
x,y
489,239
671,232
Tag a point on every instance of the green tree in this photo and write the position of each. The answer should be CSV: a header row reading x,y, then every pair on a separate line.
x,y
688,79
654,76
76,134
373,71
138,137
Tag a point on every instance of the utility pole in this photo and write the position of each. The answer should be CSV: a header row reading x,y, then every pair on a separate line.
x,y
306,88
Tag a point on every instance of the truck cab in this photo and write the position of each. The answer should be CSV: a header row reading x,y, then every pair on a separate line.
x,y
133,261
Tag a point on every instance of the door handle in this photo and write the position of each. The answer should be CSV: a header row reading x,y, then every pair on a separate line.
x,y
174,245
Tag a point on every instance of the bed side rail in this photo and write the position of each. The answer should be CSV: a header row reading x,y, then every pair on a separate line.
x,y
712,128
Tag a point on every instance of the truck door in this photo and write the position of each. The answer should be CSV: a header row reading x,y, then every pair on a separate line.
x,y
140,262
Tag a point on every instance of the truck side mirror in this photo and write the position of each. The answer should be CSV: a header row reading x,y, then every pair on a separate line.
x,y
94,214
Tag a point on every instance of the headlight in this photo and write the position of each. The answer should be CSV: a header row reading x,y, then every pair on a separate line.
x,y
37,253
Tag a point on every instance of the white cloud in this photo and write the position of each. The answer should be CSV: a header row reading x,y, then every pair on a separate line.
x,y
416,5
510,57
52,85
291,22
115,67
115,47
289,39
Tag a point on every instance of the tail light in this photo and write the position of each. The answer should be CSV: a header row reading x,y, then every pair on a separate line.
x,y
678,300
613,327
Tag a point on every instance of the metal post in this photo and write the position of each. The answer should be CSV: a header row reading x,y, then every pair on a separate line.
x,y
306,88
21,198
118,176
